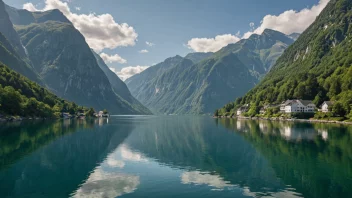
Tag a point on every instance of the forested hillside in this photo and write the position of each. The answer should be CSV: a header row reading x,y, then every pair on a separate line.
x,y
318,66
22,97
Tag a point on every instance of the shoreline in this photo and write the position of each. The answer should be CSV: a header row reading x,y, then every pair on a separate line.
x,y
20,119
286,119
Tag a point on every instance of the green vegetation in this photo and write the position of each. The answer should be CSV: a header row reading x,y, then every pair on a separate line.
x,y
316,67
22,97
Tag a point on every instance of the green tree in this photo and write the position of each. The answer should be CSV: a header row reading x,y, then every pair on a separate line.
x,y
216,113
90,112
338,109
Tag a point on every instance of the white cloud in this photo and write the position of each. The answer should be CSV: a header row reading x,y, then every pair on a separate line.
x,y
150,44
107,184
114,163
128,72
30,7
78,8
199,178
100,31
129,155
290,21
143,51
112,58
211,44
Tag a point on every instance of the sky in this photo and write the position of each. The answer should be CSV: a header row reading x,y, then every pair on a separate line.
x,y
131,35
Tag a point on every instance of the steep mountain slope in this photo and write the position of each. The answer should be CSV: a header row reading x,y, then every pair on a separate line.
x,y
120,87
11,49
63,59
139,83
316,67
201,87
6,28
9,56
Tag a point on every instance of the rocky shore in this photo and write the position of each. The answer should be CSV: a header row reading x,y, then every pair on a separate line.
x,y
18,119
286,119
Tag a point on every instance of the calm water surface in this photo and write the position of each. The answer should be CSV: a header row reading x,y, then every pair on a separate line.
x,y
175,157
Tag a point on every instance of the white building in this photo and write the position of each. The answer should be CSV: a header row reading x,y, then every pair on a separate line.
x,y
325,106
242,109
100,114
297,106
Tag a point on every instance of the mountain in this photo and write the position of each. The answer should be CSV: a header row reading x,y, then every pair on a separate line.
x,y
294,36
201,86
316,67
11,49
6,28
25,17
198,56
60,55
120,87
139,83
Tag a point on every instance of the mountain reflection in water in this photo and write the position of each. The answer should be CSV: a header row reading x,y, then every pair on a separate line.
x,y
178,156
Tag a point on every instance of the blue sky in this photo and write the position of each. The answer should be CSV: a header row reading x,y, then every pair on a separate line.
x,y
170,25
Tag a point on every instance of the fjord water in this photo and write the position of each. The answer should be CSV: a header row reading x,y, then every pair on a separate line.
x,y
137,156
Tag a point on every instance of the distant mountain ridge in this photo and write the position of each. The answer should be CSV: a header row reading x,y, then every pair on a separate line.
x,y
25,17
57,53
182,86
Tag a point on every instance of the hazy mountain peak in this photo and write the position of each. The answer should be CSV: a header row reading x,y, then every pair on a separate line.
x,y
198,56
25,17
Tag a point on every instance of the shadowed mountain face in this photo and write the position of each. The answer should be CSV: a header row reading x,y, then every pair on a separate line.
x,y
119,87
202,82
11,49
6,28
61,57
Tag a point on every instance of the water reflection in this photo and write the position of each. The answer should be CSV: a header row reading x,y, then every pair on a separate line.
x,y
107,185
315,159
208,155
175,156
106,181
204,178
52,159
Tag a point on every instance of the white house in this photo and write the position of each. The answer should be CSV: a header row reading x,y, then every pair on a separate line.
x,y
297,106
242,109
325,106
100,114
284,104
